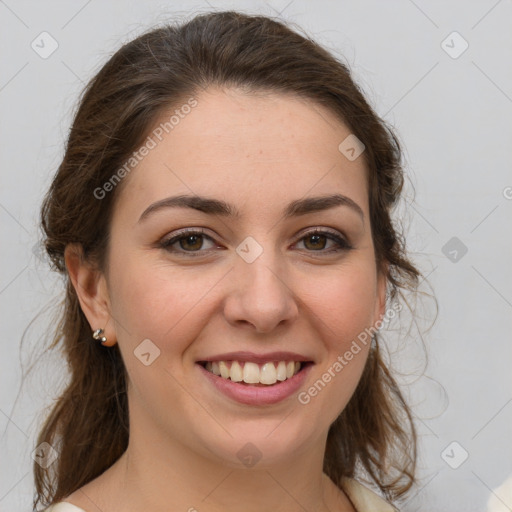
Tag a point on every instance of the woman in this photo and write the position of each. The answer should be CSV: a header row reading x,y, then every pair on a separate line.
x,y
222,220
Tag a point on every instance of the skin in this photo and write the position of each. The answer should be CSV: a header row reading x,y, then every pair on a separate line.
x,y
257,151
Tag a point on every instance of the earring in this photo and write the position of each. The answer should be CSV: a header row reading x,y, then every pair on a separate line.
x,y
97,335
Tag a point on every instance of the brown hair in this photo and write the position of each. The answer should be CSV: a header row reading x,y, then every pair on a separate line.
x,y
88,424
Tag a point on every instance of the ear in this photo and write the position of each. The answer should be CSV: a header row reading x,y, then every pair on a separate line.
x,y
382,284
91,288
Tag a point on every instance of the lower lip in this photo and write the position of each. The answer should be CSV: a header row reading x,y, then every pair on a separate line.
x,y
257,395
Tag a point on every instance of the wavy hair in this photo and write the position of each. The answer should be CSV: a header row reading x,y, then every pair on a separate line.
x,y
88,422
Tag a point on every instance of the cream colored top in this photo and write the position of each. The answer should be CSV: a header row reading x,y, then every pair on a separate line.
x,y
364,500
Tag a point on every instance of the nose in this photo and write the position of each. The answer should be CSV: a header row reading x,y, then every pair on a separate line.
x,y
260,297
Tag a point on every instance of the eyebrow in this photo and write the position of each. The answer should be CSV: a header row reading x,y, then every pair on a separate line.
x,y
219,207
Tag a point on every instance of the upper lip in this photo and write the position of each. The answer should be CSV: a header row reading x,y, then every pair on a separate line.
x,y
257,358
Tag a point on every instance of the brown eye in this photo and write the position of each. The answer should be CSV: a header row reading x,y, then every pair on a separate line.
x,y
187,243
317,241
191,242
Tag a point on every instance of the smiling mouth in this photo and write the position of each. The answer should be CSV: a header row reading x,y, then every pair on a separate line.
x,y
245,372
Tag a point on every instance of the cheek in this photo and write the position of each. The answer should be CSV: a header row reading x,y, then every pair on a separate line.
x,y
344,303
343,310
156,301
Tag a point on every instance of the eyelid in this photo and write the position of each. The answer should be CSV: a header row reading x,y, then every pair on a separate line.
x,y
166,241
332,234
336,236
321,231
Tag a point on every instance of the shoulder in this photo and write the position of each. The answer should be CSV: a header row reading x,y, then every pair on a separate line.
x,y
364,499
63,506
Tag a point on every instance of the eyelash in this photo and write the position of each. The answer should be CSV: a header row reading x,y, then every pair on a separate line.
x,y
343,244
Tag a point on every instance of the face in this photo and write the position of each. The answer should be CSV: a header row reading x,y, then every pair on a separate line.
x,y
260,273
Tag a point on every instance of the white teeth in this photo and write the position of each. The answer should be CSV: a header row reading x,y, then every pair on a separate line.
x,y
268,374
252,373
224,370
290,368
281,371
236,372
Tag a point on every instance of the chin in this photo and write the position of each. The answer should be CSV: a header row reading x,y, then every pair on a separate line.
x,y
261,443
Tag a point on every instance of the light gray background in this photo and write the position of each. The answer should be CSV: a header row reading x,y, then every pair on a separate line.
x,y
453,117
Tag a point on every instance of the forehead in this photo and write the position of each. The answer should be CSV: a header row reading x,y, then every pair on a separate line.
x,y
256,149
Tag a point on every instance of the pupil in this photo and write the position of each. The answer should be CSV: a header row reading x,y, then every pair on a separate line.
x,y
197,245
316,239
